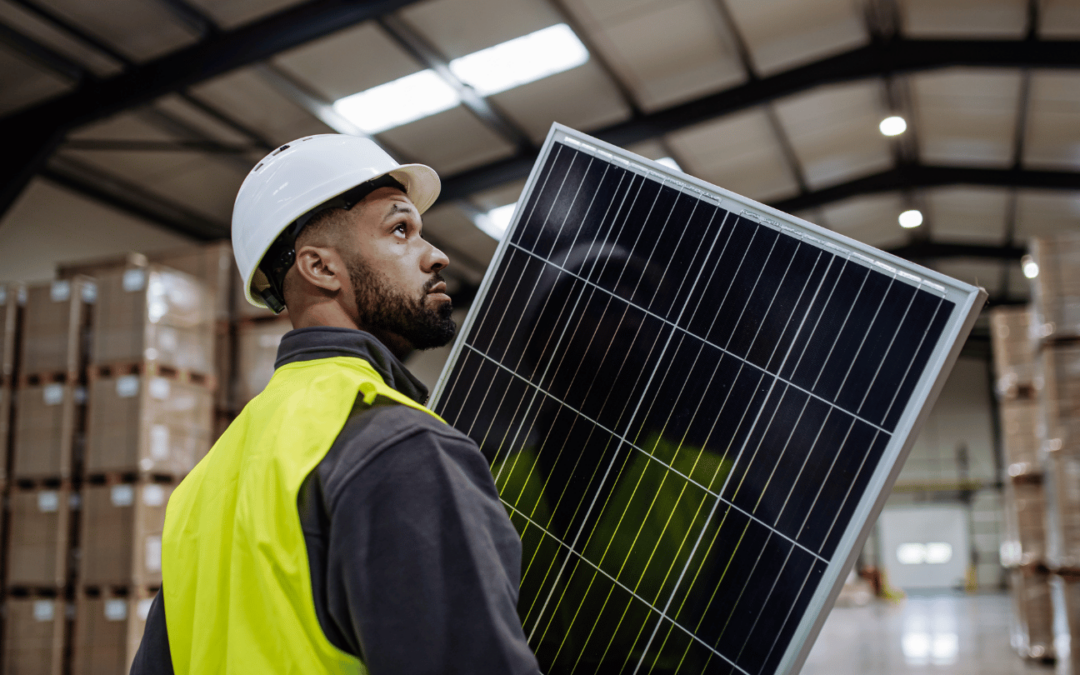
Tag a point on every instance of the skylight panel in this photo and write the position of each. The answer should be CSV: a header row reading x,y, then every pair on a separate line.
x,y
521,60
404,100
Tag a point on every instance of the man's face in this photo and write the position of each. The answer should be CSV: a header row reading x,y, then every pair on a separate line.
x,y
400,295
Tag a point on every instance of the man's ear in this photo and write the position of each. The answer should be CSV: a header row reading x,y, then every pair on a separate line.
x,y
321,267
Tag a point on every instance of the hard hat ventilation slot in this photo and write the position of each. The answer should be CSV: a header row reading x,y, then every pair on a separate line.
x,y
257,168
279,151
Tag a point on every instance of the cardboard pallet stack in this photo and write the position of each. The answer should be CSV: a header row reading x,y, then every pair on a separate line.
x,y
247,365
1024,548
150,419
1056,326
46,436
130,368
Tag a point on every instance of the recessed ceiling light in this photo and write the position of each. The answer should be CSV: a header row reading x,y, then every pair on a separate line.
x,y
893,126
521,60
404,100
495,221
670,163
910,219
1031,268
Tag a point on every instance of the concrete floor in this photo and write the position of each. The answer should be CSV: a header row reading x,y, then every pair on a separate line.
x,y
921,634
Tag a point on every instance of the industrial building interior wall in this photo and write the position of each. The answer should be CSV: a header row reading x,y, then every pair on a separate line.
x,y
50,225
953,463
960,426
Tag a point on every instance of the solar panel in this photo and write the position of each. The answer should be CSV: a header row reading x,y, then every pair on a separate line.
x,y
693,406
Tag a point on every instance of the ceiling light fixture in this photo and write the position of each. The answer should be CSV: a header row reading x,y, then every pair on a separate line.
x,y
893,126
521,60
1031,268
910,219
495,221
404,100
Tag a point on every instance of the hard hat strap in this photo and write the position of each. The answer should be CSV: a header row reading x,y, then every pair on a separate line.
x,y
281,255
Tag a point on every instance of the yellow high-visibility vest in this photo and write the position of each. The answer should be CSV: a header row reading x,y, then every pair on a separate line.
x,y
235,569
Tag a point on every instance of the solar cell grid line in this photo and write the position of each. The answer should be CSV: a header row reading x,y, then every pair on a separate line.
x,y
694,405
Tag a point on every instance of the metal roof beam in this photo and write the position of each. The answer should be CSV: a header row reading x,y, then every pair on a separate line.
x,y
122,195
923,176
218,54
898,55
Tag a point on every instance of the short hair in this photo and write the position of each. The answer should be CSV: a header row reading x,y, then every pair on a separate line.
x,y
327,229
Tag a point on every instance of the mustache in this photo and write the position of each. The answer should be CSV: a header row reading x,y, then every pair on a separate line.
x,y
435,279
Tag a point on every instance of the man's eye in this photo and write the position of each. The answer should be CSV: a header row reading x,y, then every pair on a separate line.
x,y
402,228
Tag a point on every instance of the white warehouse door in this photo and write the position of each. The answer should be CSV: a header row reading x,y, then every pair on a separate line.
x,y
925,547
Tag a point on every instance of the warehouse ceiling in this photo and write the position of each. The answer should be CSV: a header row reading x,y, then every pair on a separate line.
x,y
159,107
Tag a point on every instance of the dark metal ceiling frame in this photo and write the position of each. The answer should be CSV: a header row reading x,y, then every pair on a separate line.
x,y
298,92
909,176
783,140
36,131
1020,129
102,47
133,199
889,56
263,38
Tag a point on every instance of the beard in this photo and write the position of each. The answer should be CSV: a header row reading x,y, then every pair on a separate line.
x,y
386,310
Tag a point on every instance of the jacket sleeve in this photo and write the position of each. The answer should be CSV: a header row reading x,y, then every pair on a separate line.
x,y
426,558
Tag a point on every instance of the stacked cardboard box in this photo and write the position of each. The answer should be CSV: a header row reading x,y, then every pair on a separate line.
x,y
11,298
1031,588
46,430
34,636
1056,288
108,628
156,316
38,557
147,425
1014,362
1024,546
257,346
111,411
212,265
1056,324
55,329
151,384
123,523
1066,594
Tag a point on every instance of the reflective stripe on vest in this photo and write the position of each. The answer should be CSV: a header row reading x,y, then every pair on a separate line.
x,y
235,569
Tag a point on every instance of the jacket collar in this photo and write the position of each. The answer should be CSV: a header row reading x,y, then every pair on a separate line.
x,y
324,342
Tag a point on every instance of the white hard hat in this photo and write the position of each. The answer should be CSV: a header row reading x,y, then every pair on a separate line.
x,y
302,175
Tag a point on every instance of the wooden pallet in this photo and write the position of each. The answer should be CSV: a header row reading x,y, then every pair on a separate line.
x,y
115,370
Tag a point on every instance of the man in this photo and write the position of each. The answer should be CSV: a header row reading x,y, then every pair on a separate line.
x,y
338,526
